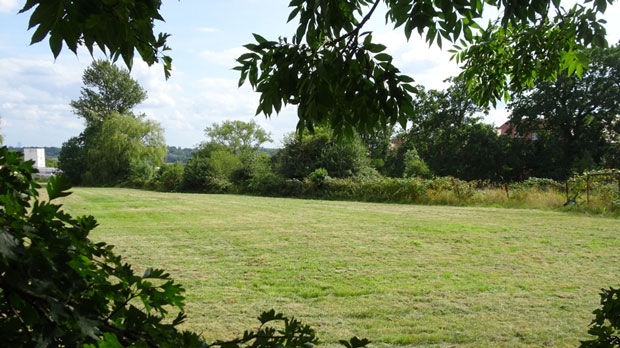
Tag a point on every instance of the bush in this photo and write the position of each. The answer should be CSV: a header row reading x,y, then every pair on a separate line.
x,y
210,173
72,159
303,155
319,177
141,174
414,165
170,177
606,323
195,174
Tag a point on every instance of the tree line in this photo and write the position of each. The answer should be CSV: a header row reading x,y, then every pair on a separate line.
x,y
555,130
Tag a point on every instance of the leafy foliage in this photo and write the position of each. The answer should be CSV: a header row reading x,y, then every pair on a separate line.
x,y
114,140
124,140
238,136
72,159
210,171
302,155
319,176
331,60
606,324
117,28
451,139
529,42
414,165
231,156
575,120
107,89
170,176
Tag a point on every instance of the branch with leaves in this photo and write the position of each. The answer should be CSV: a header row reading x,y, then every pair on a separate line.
x,y
336,78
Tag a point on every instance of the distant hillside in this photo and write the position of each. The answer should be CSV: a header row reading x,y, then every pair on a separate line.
x,y
178,154
175,153
50,151
270,152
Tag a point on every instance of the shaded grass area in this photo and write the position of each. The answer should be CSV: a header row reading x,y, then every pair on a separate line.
x,y
397,274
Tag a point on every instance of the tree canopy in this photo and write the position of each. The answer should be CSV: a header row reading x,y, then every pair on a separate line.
x,y
115,139
238,136
124,140
576,120
107,88
333,70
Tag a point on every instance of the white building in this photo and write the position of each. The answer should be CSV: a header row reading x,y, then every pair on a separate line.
x,y
36,154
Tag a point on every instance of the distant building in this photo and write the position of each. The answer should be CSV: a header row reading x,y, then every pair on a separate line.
x,y
37,155
508,129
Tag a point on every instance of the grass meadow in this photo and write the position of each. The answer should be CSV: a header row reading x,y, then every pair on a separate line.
x,y
399,275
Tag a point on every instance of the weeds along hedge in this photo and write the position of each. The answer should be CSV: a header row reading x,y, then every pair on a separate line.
x,y
531,193
374,190
534,192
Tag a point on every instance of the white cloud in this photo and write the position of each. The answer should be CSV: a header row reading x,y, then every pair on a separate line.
x,y
207,30
8,5
225,58
160,92
34,100
497,116
613,25
429,66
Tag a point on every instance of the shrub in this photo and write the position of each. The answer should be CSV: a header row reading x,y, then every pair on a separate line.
x,y
414,165
141,174
606,323
195,174
319,177
170,177
72,159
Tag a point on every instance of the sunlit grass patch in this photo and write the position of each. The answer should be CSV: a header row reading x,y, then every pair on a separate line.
x,y
400,275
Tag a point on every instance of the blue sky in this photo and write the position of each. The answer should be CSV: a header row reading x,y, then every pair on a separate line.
x,y
207,35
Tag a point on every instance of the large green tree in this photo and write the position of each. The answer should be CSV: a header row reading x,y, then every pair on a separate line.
x,y
122,141
228,157
333,70
448,134
107,89
576,121
114,138
238,136
302,155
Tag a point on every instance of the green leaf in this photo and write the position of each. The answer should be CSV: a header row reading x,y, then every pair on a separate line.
x,y
293,14
384,57
259,39
57,187
7,243
39,34
55,44
405,78
375,48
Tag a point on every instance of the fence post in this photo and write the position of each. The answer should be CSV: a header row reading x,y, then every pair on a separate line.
x,y
588,188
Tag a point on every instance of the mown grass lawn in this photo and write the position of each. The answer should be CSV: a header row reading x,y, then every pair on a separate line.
x,y
395,274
